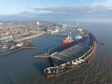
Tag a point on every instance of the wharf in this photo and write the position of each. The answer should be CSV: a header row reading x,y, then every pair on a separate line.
x,y
15,50
42,56
30,37
87,55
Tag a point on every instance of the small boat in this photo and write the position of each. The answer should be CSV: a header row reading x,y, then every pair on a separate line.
x,y
82,60
4,46
52,71
78,61
74,63
12,47
78,37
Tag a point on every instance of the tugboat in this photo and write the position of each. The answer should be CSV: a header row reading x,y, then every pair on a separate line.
x,y
68,40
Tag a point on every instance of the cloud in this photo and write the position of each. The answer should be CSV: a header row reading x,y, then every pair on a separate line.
x,y
69,10
104,4
100,6
60,10
101,9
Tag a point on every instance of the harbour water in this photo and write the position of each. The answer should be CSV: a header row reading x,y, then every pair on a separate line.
x,y
22,68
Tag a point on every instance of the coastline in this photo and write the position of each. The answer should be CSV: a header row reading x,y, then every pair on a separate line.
x,y
24,47
15,50
31,37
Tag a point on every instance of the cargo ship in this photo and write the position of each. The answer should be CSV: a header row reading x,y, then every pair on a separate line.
x,y
72,55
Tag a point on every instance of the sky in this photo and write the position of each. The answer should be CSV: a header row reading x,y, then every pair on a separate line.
x,y
8,7
69,9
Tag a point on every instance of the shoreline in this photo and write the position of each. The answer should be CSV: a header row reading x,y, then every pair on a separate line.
x,y
15,50
24,47
30,37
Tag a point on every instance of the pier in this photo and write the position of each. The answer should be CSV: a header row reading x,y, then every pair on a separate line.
x,y
68,66
30,37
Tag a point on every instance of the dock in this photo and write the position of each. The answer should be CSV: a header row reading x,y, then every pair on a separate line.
x,y
41,56
30,37
87,51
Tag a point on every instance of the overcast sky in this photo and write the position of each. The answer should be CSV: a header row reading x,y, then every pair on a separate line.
x,y
17,6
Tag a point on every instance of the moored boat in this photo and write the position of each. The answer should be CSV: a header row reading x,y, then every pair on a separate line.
x,y
68,40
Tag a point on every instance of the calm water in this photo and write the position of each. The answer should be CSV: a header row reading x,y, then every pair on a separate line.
x,y
22,68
